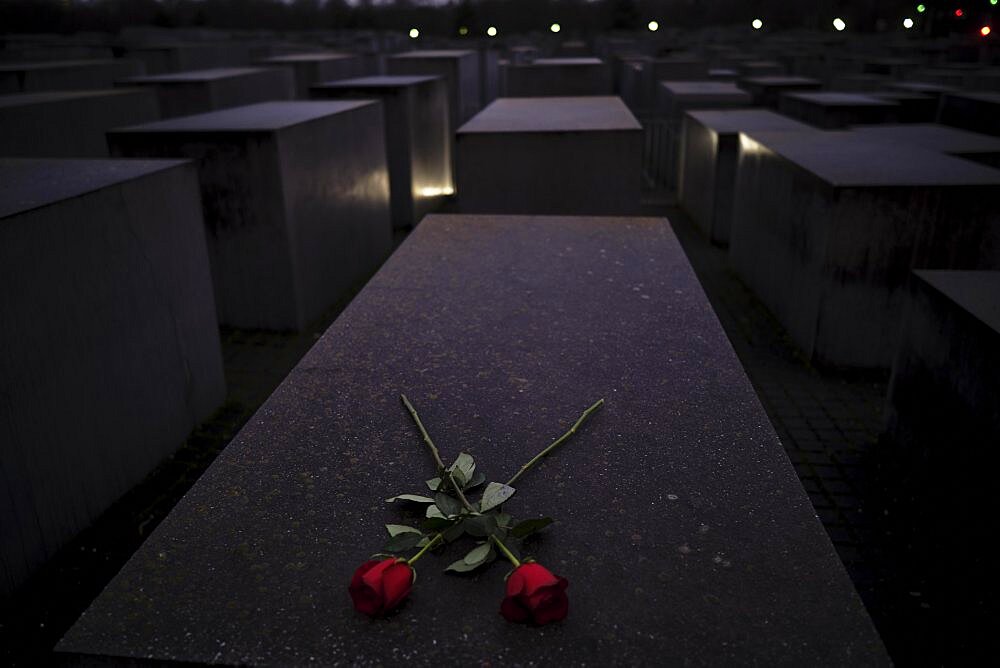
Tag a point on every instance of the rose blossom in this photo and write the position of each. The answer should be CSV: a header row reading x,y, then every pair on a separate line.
x,y
379,586
535,595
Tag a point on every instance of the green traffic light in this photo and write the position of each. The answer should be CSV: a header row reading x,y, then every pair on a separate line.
x,y
923,8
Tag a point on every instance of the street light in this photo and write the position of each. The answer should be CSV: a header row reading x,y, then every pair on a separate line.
x,y
757,24
653,26
907,23
491,31
555,27
839,24
414,33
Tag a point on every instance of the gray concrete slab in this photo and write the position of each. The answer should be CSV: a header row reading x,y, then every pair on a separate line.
x,y
109,353
296,200
550,155
417,138
939,451
460,69
941,138
70,123
314,68
829,110
549,77
828,225
64,75
767,90
200,91
709,155
738,509
979,112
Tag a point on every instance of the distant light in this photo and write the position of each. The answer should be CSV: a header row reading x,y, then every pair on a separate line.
x,y
414,33
463,31
839,24
653,26
985,31
959,13
757,24
994,2
555,27
921,9
907,23
491,31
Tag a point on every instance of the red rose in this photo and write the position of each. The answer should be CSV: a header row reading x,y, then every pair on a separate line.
x,y
379,586
535,595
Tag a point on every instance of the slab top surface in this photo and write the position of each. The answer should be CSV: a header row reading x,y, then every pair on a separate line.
x,y
212,74
28,183
843,158
568,61
552,114
681,526
383,81
53,64
310,57
26,99
680,88
974,291
920,87
260,117
832,99
732,121
778,81
991,98
943,138
435,53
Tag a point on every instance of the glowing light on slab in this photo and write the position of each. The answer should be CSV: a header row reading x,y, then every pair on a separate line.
x,y
653,26
491,31
907,23
414,33
985,31
437,192
555,27
839,25
748,145
757,24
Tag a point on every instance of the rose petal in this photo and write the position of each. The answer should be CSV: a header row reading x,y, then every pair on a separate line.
x,y
512,611
396,584
535,576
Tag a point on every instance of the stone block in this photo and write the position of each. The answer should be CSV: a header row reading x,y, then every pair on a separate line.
x,y
979,112
64,75
767,91
510,326
558,77
109,350
709,155
546,155
460,69
417,138
310,69
200,91
70,123
828,225
296,200
837,110
940,138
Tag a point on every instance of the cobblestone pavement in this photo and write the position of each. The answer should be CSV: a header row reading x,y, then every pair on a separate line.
x,y
828,423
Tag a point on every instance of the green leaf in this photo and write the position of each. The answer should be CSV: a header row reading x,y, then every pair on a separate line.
x,y
458,477
434,483
448,505
403,542
505,520
495,494
434,511
396,529
437,523
481,526
477,480
478,554
465,464
454,532
528,527
415,498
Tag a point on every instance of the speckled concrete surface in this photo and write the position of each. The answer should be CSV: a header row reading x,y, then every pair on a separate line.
x,y
682,528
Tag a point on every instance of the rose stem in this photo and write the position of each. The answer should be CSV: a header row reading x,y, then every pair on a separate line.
x,y
507,553
442,471
559,441
426,547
